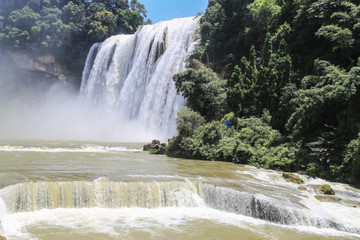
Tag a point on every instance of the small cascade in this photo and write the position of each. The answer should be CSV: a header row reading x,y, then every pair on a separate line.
x,y
262,207
27,197
34,196
132,74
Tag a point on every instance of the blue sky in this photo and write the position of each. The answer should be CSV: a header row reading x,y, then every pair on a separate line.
x,y
160,10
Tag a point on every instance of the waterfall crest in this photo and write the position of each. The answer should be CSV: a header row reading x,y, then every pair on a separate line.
x,y
34,196
133,73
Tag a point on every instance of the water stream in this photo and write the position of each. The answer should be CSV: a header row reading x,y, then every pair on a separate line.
x,y
89,190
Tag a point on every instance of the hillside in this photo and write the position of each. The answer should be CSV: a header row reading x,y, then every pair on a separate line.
x,y
287,72
63,31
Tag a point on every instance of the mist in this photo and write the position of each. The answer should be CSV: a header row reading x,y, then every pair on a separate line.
x,y
41,109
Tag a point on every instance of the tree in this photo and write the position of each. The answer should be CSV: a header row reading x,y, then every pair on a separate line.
x,y
241,92
102,26
66,28
203,90
341,38
352,160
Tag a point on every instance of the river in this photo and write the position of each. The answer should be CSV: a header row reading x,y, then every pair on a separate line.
x,y
91,190
73,189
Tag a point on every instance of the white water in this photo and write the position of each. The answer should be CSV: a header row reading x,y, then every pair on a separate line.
x,y
132,74
119,222
51,188
32,197
127,92
55,190
82,149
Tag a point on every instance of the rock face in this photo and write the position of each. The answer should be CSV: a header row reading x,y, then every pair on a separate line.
x,y
2,238
155,147
44,63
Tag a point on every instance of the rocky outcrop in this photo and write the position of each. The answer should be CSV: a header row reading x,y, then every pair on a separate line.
x,y
326,189
44,63
155,147
290,177
2,238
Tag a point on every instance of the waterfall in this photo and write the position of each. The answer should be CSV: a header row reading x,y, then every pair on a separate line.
x,y
34,196
27,197
132,74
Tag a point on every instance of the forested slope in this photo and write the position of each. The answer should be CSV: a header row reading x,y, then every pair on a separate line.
x,y
64,28
288,72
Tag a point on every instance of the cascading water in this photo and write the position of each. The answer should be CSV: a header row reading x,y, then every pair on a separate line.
x,y
28,197
133,73
75,190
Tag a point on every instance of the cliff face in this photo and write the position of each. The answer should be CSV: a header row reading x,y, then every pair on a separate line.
x,y
43,63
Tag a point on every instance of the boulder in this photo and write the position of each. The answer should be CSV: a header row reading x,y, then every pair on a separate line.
x,y
155,147
290,177
326,189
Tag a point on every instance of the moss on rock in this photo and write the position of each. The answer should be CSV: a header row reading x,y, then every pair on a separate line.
x,y
327,198
290,177
326,189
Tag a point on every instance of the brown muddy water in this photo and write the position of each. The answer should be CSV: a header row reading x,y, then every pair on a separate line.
x,y
92,190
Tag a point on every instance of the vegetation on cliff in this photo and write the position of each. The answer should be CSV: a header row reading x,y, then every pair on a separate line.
x,y
66,28
289,72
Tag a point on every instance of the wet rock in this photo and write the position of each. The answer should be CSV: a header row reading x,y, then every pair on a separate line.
x,y
326,189
290,177
155,147
302,188
327,198
44,63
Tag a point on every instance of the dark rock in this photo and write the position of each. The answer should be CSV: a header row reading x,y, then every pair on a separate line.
x,y
147,147
155,147
155,142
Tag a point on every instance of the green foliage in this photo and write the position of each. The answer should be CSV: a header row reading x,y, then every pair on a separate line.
x,y
188,121
323,98
203,89
352,160
250,141
66,28
292,66
265,12
339,37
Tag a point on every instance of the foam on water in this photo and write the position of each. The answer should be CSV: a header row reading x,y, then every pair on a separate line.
x,y
113,222
82,149
343,208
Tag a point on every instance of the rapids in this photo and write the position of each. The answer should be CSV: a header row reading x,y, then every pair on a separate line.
x,y
79,190
82,188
